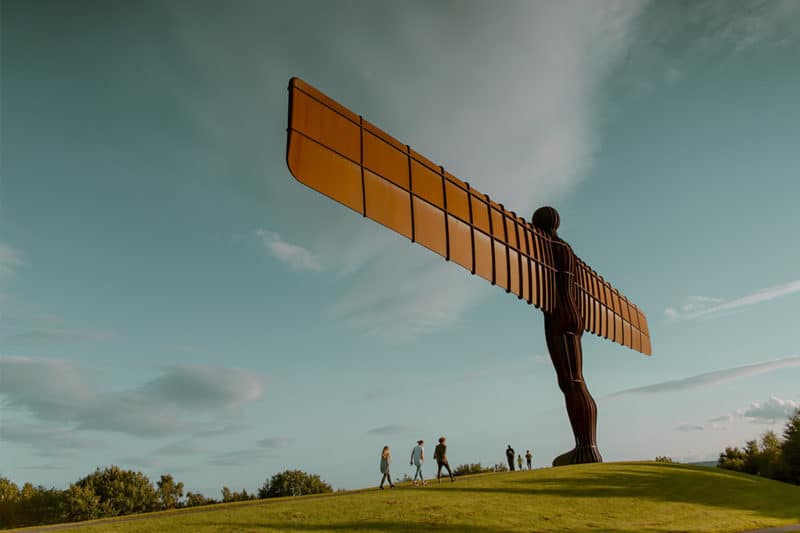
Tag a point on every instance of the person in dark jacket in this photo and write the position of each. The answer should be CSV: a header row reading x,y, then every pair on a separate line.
x,y
529,458
510,457
440,456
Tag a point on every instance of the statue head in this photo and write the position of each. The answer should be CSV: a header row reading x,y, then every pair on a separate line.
x,y
546,219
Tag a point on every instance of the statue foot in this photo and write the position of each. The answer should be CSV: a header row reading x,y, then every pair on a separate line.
x,y
565,458
579,455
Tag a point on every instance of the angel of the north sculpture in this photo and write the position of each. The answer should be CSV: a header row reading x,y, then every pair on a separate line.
x,y
339,154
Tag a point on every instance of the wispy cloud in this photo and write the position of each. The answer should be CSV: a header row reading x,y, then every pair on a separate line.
x,y
389,430
47,441
9,259
291,254
184,398
712,378
553,59
689,427
274,442
675,39
238,458
705,307
142,462
543,120
226,429
179,448
59,336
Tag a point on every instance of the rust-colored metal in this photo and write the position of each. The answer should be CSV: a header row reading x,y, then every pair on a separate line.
x,y
339,154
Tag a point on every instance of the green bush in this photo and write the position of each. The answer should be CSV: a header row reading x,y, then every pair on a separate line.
x,y
120,492
194,499
293,483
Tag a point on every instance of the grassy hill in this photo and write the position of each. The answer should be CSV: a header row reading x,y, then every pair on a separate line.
x,y
601,497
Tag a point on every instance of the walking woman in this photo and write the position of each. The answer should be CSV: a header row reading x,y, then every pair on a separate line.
x,y
417,458
386,460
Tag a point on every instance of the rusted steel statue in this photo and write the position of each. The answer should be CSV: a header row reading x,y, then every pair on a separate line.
x,y
339,154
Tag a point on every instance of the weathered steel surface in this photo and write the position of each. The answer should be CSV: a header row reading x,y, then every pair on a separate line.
x,y
339,154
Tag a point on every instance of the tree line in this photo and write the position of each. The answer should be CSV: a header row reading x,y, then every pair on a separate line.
x,y
113,491
117,492
773,457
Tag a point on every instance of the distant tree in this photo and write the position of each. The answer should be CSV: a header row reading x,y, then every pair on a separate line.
x,y
169,493
732,459
194,499
232,496
121,492
405,478
293,483
9,495
752,457
664,459
790,449
769,458
37,505
9,492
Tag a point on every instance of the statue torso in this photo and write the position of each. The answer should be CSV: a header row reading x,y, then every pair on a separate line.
x,y
566,316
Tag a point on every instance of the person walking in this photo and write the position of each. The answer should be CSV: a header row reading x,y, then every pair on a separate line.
x,y
519,462
510,457
417,458
386,460
529,458
440,456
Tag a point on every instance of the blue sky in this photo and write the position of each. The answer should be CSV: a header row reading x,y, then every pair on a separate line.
x,y
174,301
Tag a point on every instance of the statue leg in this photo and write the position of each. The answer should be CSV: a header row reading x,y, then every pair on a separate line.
x,y
567,357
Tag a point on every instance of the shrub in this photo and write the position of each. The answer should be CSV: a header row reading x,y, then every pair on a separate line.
x,y
121,492
194,499
228,496
293,483
471,468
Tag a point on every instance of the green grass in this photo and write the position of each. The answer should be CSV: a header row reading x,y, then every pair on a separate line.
x,y
600,497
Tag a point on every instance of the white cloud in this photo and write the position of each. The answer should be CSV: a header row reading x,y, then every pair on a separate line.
x,y
712,378
184,398
520,128
291,254
773,410
551,59
705,307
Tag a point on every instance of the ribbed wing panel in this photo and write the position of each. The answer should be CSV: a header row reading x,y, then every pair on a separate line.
x,y
339,154
609,314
